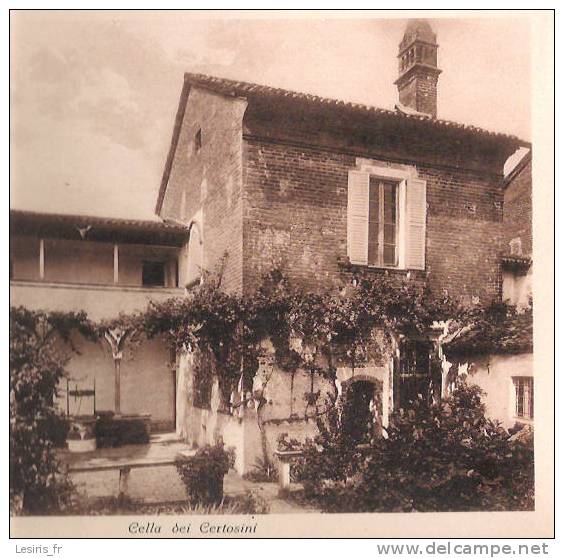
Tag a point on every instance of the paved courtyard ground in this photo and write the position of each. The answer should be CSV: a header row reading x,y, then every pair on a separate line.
x,y
158,484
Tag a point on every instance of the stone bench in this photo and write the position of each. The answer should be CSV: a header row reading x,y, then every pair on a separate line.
x,y
124,467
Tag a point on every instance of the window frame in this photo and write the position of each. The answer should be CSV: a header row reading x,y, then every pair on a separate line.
x,y
525,400
403,176
375,180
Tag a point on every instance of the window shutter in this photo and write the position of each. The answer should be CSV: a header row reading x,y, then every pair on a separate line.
x,y
357,217
416,222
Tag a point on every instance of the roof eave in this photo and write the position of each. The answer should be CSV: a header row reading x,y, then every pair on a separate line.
x,y
173,145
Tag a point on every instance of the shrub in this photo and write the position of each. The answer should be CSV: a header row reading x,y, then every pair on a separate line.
x,y
111,432
333,454
37,361
202,473
262,471
248,504
437,457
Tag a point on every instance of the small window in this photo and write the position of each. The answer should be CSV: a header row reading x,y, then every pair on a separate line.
x,y
382,223
198,141
524,397
153,274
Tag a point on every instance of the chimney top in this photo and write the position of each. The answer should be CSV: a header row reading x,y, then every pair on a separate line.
x,y
417,30
418,70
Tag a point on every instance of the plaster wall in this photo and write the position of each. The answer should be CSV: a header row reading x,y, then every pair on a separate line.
x,y
494,375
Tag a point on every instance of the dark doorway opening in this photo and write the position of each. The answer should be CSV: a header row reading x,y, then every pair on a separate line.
x,y
358,417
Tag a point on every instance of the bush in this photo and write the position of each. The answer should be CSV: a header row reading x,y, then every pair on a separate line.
x,y
248,504
437,457
36,426
332,455
112,432
262,471
202,474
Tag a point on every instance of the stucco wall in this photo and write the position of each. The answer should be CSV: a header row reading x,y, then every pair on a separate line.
x,y
285,410
84,262
494,375
99,302
76,261
147,381
24,257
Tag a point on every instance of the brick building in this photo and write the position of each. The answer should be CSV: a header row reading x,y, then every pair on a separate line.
x,y
506,373
258,178
274,177
320,187
517,243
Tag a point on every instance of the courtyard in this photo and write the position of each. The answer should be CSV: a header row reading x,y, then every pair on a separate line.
x,y
154,483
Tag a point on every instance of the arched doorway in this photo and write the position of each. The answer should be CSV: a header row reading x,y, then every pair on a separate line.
x,y
361,409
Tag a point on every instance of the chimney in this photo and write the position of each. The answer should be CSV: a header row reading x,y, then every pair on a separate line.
x,y
418,71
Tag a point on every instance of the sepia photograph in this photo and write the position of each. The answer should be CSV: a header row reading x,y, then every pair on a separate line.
x,y
275,264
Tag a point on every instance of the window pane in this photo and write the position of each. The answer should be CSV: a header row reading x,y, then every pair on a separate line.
x,y
373,222
373,211
389,234
519,397
389,254
373,201
372,253
389,202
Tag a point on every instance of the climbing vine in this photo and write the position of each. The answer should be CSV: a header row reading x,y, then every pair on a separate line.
x,y
316,332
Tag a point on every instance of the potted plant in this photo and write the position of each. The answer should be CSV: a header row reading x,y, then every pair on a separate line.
x,y
203,472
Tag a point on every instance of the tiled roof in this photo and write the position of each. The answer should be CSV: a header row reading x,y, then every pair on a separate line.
x,y
249,91
110,223
513,336
509,261
245,89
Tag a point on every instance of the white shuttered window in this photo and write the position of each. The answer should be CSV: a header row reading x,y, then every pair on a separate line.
x,y
386,220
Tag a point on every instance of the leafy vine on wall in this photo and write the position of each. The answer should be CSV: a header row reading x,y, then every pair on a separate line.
x,y
311,331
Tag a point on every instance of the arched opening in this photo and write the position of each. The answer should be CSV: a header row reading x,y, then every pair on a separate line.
x,y
361,409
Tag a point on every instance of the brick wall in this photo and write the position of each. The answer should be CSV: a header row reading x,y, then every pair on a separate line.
x,y
210,179
420,93
517,211
295,218
293,160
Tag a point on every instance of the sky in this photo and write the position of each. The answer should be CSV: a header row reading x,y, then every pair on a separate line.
x,y
94,95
